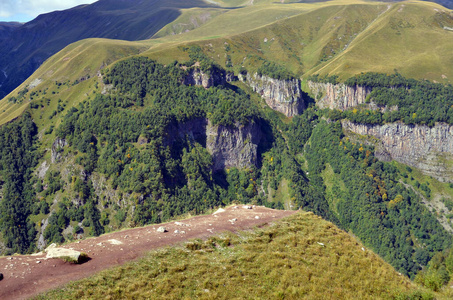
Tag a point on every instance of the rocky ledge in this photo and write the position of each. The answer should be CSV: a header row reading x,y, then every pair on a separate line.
x,y
233,146
215,77
338,96
281,95
429,149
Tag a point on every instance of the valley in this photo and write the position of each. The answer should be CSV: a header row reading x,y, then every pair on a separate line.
x,y
342,109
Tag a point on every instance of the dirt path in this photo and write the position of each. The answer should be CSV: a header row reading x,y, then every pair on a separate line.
x,y
29,275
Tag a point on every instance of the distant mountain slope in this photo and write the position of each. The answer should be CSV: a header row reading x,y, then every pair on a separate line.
x,y
24,48
336,37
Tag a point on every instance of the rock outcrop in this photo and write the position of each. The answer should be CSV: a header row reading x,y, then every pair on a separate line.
x,y
428,149
230,146
63,253
215,77
338,96
57,147
284,96
233,146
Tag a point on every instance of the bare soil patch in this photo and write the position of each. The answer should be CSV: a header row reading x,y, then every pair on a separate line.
x,y
29,275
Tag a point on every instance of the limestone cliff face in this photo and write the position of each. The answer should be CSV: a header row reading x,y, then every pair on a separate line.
x,y
57,147
196,76
281,95
338,96
230,146
233,146
428,149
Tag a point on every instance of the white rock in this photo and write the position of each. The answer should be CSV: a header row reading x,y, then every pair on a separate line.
x,y
63,253
38,261
257,217
181,224
321,244
220,210
115,242
247,207
161,229
176,231
51,246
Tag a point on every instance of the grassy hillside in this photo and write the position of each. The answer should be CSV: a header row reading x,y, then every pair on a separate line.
x,y
409,37
69,75
299,257
27,46
342,37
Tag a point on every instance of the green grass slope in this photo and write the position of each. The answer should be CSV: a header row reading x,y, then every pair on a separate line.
x,y
69,75
411,37
299,257
342,37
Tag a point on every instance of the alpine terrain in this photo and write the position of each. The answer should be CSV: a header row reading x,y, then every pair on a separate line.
x,y
324,128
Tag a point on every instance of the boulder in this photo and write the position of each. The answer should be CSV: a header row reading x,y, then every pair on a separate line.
x,y
65,254
162,229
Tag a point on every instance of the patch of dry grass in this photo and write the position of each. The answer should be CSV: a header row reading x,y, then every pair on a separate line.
x,y
298,257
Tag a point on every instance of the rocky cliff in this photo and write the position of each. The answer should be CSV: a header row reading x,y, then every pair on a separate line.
x,y
196,76
230,146
57,148
428,149
281,95
233,146
338,96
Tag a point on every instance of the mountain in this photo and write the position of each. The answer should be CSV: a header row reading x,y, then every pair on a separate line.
x,y
23,48
320,106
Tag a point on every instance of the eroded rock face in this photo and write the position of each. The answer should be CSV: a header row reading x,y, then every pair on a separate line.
x,y
281,95
233,146
216,77
57,146
428,149
338,96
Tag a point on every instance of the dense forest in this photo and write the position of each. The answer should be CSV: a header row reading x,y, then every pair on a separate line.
x,y
408,100
127,136
18,159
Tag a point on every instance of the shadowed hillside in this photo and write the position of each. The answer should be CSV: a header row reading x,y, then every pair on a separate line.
x,y
24,48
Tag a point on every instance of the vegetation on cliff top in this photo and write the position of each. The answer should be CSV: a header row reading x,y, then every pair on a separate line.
x,y
408,100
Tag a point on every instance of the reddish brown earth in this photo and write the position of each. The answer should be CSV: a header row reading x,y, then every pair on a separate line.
x,y
28,275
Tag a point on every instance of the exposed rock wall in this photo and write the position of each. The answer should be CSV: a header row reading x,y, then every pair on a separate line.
x,y
233,146
57,146
338,96
230,146
281,95
196,76
428,149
